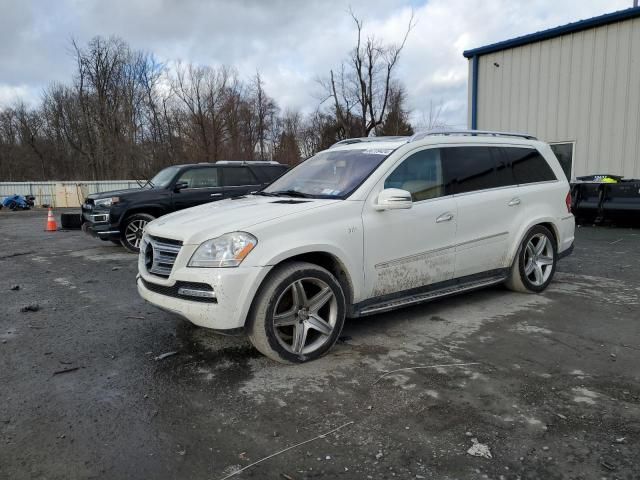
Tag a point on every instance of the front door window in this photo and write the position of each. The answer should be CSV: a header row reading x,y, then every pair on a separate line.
x,y
200,177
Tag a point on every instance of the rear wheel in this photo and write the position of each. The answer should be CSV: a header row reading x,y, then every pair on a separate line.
x,y
133,229
535,262
298,313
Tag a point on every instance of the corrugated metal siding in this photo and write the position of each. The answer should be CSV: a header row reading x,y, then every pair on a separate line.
x,y
582,87
62,194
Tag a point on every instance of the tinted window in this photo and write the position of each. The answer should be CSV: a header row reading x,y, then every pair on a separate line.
x,y
236,176
420,174
564,154
528,165
469,169
200,177
268,174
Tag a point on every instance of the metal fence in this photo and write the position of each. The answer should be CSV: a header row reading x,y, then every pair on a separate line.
x,y
62,194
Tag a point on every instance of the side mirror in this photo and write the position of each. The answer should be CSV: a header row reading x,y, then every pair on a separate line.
x,y
393,199
179,186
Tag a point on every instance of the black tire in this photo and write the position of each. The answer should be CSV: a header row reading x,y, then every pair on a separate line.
x,y
277,292
71,221
531,272
129,237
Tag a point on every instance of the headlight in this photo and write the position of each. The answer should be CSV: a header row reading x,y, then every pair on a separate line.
x,y
227,250
106,202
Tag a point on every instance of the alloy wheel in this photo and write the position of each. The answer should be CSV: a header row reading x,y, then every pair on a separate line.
x,y
305,315
538,259
133,232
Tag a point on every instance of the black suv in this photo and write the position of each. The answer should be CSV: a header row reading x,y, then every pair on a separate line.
x,y
120,216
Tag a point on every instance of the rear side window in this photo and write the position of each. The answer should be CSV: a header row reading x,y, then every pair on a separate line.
x,y
267,174
238,176
528,165
420,174
469,169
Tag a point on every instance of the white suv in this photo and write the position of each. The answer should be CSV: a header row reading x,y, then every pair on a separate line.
x,y
367,226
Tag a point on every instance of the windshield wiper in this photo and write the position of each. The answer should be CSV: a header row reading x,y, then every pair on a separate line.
x,y
265,194
291,193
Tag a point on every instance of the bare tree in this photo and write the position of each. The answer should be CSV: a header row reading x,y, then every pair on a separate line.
x,y
432,119
29,125
360,89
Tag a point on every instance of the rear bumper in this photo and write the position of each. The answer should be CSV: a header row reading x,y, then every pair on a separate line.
x,y
567,252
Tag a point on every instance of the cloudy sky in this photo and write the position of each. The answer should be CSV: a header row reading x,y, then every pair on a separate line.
x,y
290,42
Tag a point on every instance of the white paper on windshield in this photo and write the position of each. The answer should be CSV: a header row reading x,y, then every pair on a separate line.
x,y
377,151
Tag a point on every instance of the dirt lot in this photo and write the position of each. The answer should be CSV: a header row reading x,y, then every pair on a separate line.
x,y
552,389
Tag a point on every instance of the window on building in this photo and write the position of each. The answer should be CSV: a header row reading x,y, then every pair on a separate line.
x,y
528,165
564,154
420,175
469,169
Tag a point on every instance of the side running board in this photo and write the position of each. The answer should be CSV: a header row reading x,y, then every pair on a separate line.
x,y
430,295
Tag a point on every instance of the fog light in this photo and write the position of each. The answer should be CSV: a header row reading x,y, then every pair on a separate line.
x,y
192,292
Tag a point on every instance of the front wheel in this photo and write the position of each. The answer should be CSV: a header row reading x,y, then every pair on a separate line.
x,y
298,313
133,229
535,262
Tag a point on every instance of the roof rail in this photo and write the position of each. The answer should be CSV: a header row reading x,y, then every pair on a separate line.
x,y
472,133
247,162
349,141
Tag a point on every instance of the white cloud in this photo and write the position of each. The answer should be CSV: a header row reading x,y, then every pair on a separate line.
x,y
11,94
292,43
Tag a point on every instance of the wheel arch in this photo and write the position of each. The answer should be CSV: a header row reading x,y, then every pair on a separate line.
x,y
548,222
152,210
317,256
331,263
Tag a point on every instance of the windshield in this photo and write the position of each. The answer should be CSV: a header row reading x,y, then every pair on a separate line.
x,y
164,177
329,174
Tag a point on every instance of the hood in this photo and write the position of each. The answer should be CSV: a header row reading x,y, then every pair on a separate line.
x,y
117,193
197,224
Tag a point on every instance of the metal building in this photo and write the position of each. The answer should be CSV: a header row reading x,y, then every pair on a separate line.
x,y
576,86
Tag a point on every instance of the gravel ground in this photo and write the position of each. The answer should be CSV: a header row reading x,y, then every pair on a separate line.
x,y
549,386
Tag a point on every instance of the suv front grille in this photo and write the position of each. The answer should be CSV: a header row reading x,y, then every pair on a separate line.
x,y
159,255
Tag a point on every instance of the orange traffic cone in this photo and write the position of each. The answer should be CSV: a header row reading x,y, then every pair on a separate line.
x,y
51,222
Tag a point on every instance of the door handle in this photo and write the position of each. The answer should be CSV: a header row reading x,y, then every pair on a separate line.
x,y
216,194
445,217
514,202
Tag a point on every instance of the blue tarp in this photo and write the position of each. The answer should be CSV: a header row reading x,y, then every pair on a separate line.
x,y
15,201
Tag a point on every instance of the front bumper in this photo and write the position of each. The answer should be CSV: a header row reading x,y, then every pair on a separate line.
x,y
234,290
98,224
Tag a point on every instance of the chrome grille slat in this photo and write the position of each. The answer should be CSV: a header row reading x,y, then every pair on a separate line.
x,y
161,257
158,255
163,271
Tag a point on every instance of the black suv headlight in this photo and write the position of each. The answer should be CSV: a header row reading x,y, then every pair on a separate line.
x,y
106,202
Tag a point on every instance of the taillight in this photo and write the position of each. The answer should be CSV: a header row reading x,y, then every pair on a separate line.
x,y
568,201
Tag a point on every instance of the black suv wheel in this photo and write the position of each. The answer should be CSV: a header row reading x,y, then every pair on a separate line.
x,y
132,230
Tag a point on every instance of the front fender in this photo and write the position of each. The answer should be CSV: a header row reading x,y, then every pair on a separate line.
x,y
350,267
